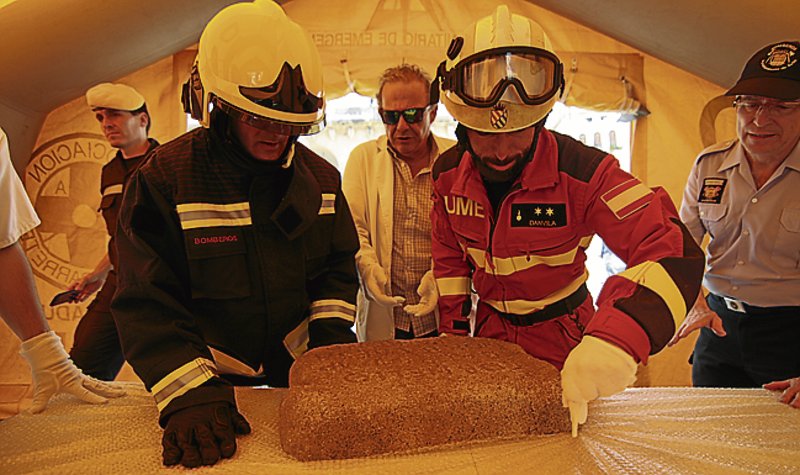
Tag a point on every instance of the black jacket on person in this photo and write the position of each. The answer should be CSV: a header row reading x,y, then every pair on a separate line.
x,y
220,251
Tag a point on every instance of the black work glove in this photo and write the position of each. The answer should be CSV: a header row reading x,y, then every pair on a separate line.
x,y
202,434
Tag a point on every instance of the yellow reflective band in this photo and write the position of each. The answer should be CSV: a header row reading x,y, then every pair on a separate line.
x,y
207,215
510,265
453,286
296,342
332,308
112,190
653,276
188,207
626,198
178,382
213,223
328,204
524,307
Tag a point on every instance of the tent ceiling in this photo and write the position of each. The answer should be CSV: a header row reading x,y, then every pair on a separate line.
x,y
50,57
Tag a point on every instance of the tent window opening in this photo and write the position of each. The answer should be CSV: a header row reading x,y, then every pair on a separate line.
x,y
610,132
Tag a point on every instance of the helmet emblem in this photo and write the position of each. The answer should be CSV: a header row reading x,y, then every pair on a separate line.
x,y
499,117
780,57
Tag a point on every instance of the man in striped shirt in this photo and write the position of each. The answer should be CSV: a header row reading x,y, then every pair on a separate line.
x,y
388,186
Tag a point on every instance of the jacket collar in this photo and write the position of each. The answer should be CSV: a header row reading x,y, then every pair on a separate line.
x,y
300,206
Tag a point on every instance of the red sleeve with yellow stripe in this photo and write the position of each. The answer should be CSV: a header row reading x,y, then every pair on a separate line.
x,y
640,308
452,273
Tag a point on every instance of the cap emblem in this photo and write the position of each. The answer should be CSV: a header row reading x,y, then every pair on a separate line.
x,y
780,57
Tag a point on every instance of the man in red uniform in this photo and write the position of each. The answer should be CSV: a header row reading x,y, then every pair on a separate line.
x,y
515,206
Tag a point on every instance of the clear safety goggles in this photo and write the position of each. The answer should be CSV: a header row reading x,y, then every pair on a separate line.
x,y
482,79
266,123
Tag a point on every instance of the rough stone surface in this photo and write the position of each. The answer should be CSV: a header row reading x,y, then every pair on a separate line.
x,y
363,399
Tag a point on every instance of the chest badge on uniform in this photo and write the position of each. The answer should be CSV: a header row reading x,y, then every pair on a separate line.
x,y
538,215
712,190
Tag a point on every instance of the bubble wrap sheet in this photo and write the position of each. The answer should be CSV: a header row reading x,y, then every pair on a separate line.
x,y
640,431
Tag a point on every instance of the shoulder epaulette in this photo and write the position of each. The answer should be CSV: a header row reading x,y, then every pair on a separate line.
x,y
716,148
576,159
447,160
326,174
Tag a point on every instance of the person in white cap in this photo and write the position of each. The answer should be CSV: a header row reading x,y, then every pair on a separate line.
x,y
515,206
236,244
124,120
745,194
20,307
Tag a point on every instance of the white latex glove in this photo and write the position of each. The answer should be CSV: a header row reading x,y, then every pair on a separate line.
x,y
429,296
594,368
377,287
54,372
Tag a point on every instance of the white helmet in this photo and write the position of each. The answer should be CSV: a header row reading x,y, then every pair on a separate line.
x,y
257,65
502,75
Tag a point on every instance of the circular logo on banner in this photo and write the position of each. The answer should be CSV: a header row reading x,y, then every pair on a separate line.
x,y
63,181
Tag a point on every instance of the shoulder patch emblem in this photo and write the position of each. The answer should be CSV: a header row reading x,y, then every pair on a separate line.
x,y
712,189
627,198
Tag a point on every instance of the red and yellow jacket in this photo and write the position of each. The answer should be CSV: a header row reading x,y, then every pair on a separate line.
x,y
532,252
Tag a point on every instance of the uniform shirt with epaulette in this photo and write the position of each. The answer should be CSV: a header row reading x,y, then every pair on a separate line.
x,y
754,247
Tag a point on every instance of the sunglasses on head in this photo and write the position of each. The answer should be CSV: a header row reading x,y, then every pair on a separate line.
x,y
411,116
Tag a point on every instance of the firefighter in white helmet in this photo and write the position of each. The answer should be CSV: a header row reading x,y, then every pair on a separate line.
x,y
515,206
236,245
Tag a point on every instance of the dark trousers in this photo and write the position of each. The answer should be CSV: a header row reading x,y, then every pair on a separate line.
x,y
760,346
97,350
404,335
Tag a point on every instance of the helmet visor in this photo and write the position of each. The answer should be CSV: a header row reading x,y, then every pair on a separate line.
x,y
266,123
288,93
483,79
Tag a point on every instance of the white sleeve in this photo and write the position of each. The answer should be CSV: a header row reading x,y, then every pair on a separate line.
x,y
17,215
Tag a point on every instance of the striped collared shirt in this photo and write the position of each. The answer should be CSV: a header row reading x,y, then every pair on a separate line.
x,y
411,241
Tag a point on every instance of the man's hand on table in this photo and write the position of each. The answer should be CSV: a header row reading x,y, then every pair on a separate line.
x,y
791,391
594,368
202,434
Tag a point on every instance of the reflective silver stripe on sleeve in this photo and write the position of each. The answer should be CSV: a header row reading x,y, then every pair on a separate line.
x,y
112,190
328,205
296,342
332,308
178,382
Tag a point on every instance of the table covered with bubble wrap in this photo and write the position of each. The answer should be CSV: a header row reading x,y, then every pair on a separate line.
x,y
640,431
